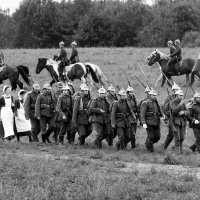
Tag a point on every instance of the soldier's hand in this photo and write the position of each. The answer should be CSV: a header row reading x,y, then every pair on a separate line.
x,y
64,117
144,126
27,118
196,121
38,118
113,126
102,110
181,112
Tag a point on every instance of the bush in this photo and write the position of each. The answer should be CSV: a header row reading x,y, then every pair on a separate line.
x,y
191,39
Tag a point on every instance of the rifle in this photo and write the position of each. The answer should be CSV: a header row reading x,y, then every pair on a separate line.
x,y
140,81
116,85
127,77
145,77
171,124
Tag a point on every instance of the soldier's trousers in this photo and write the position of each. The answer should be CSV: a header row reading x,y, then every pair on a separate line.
x,y
132,134
35,129
179,135
43,123
169,138
153,136
101,132
123,137
65,127
84,130
197,137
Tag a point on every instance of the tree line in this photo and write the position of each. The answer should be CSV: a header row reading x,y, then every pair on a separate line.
x,y
99,23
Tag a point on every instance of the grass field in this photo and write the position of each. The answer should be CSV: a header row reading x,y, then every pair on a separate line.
x,y
37,171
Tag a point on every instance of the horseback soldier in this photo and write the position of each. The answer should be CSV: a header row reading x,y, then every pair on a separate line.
x,y
44,111
179,118
1,59
120,119
170,134
100,108
131,100
63,58
29,108
111,98
171,46
74,55
64,109
175,56
80,115
150,114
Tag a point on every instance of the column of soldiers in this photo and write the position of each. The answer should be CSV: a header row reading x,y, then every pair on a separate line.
x,y
109,115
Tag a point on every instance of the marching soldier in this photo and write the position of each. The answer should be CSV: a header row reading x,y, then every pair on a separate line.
x,y
101,122
194,120
74,55
179,118
44,111
80,116
29,108
170,134
120,120
131,100
111,98
150,114
64,109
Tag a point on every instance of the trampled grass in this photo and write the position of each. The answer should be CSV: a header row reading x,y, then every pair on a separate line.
x,y
37,171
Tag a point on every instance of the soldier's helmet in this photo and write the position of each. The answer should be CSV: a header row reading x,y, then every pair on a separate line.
x,y
111,88
36,86
47,86
74,43
175,87
59,85
179,92
196,95
65,87
102,90
84,87
153,92
147,89
61,43
129,89
177,41
122,92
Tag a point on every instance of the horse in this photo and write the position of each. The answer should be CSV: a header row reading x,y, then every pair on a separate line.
x,y
12,73
79,70
186,66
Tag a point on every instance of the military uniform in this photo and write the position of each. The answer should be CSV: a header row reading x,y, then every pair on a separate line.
x,y
101,120
80,117
176,56
150,114
74,56
179,121
64,108
120,118
29,108
44,110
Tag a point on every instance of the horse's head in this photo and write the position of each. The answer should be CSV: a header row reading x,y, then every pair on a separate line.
x,y
41,65
153,57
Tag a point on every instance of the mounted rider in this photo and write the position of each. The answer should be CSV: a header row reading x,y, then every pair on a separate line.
x,y
175,56
1,59
63,58
74,54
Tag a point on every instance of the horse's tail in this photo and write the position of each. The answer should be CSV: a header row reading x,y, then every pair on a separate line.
x,y
92,72
24,72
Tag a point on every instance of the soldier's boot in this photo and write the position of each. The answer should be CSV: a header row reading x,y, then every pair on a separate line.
x,y
81,140
133,143
48,133
149,147
193,147
109,140
123,145
117,145
43,138
98,144
60,140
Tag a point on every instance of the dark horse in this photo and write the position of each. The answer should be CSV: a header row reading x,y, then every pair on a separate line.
x,y
186,66
12,73
75,71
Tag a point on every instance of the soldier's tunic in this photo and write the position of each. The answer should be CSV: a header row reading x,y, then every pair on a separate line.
x,y
44,109
133,119
29,108
120,117
80,117
64,108
176,56
178,121
113,133
170,135
101,126
194,114
74,56
150,115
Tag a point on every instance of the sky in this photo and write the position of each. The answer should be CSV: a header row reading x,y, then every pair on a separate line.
x,y
14,4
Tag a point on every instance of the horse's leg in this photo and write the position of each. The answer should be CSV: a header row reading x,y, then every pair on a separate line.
x,y
20,84
187,79
52,82
163,81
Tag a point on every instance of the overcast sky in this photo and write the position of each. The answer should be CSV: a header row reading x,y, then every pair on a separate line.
x,y
14,4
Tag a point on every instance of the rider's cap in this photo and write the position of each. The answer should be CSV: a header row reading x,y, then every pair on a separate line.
x,y
74,43
61,43
122,92
179,92
153,92
177,41
102,90
129,89
111,88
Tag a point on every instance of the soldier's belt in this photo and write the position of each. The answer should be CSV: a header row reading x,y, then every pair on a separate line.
x,y
44,106
32,106
149,114
122,115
